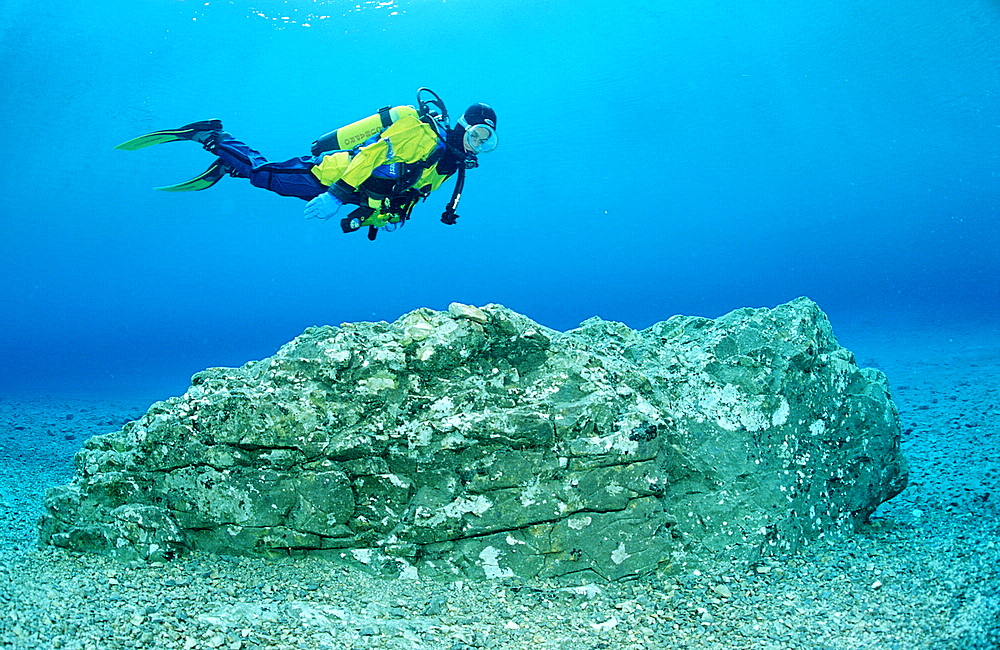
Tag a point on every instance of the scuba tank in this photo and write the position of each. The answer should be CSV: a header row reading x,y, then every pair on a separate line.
x,y
348,137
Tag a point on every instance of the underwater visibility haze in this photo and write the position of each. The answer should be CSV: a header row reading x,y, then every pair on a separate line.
x,y
653,159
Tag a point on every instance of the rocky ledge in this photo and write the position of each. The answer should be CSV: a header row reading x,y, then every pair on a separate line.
x,y
477,443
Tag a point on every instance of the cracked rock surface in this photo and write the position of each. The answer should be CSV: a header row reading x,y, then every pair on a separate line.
x,y
476,443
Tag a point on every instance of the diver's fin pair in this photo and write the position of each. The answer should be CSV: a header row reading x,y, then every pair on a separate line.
x,y
205,133
202,181
196,132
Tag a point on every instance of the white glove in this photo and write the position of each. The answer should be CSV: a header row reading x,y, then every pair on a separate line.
x,y
323,206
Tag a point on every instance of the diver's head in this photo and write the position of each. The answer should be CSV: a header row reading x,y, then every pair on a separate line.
x,y
480,129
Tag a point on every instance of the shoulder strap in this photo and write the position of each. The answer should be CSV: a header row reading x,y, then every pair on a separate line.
x,y
383,114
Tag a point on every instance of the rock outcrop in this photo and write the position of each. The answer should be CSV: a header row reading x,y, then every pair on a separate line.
x,y
477,443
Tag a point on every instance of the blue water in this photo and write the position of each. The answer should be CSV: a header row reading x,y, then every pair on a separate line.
x,y
655,158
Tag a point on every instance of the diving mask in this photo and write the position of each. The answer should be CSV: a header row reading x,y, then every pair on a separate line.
x,y
478,138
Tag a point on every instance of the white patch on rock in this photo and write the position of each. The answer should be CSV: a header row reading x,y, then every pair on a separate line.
x,y
529,494
395,480
443,405
751,419
461,506
616,441
377,383
719,403
453,440
647,409
817,428
362,555
579,524
420,437
491,564
406,570
619,555
456,421
732,410
338,356
589,591
780,416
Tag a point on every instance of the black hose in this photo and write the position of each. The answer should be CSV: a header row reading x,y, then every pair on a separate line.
x,y
449,216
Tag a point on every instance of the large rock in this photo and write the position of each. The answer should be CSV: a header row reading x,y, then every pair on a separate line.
x,y
477,443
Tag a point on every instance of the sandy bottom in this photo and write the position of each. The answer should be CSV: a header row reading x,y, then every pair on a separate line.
x,y
925,573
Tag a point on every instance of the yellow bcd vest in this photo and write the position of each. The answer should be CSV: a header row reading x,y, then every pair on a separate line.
x,y
406,140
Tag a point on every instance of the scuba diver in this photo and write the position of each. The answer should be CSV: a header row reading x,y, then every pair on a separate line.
x,y
384,164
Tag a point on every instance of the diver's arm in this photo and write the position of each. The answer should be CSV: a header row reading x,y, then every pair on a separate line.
x,y
360,169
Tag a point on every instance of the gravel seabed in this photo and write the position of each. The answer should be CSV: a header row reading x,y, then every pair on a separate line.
x,y
924,573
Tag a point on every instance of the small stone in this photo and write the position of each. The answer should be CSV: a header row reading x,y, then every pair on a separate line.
x,y
436,606
722,590
877,584
458,310
605,625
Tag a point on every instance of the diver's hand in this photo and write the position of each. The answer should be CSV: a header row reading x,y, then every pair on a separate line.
x,y
323,206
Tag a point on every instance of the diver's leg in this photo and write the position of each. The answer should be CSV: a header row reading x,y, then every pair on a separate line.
x,y
289,178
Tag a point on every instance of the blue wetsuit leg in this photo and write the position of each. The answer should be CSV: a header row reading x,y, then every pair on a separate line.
x,y
289,178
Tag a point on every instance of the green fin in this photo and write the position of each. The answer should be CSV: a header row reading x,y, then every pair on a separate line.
x,y
148,140
185,132
202,181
